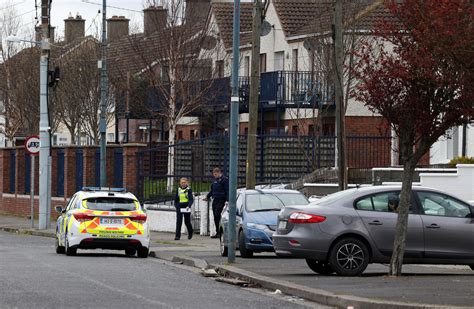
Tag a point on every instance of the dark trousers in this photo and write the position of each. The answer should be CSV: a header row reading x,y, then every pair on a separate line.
x,y
217,207
179,222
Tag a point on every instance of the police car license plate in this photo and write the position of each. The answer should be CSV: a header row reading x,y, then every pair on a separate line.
x,y
282,225
111,221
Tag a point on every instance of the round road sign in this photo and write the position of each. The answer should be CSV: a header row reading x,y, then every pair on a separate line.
x,y
32,145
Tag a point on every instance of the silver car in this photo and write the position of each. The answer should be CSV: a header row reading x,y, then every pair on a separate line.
x,y
346,231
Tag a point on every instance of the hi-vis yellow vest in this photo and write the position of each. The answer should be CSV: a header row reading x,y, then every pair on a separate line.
x,y
183,195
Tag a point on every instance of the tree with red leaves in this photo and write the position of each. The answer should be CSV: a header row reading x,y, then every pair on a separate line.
x,y
417,72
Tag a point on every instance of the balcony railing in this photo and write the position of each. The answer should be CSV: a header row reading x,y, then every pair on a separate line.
x,y
290,89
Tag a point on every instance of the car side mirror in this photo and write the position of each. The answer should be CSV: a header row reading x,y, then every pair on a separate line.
x,y
59,209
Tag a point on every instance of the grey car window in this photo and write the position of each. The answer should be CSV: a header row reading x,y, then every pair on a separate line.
x,y
331,198
437,204
365,204
378,202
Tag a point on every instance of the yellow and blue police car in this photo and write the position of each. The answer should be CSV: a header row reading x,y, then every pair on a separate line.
x,y
103,218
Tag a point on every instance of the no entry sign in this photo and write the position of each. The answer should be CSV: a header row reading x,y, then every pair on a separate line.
x,y
32,145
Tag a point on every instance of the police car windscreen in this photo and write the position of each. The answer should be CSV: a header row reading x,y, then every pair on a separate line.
x,y
110,204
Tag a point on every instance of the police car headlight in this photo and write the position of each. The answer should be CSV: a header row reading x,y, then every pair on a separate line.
x,y
257,226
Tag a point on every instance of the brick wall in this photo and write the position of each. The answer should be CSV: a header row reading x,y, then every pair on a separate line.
x,y
18,202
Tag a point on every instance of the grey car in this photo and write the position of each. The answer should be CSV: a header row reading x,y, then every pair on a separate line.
x,y
346,231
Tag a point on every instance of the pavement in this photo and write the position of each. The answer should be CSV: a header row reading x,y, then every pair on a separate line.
x,y
421,286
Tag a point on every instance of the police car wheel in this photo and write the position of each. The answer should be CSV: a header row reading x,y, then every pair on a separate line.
x,y
130,252
142,252
69,250
59,249
223,248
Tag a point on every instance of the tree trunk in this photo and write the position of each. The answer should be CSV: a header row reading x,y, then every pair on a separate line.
x,y
402,221
171,154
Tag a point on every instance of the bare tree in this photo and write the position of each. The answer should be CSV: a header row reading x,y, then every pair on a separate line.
x,y
9,24
175,62
77,96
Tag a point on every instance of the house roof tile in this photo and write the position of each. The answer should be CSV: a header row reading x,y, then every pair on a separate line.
x,y
224,14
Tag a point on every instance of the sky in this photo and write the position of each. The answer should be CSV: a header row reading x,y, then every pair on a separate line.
x,y
88,9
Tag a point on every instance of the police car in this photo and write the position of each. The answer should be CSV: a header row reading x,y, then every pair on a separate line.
x,y
102,218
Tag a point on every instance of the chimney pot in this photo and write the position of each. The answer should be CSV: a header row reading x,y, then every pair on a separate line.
x,y
155,19
117,27
74,28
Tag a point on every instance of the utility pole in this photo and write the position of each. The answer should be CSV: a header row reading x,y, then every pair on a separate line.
x,y
339,62
103,97
44,156
254,96
234,128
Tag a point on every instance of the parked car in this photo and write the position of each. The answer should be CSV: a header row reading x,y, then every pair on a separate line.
x,y
257,212
98,218
346,231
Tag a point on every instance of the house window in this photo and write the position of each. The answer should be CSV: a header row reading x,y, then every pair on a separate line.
x,y
110,137
279,61
192,134
294,57
165,74
263,63
311,129
220,68
246,131
294,130
180,135
247,66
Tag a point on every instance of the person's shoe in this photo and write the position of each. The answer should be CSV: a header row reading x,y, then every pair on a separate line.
x,y
215,236
176,238
190,235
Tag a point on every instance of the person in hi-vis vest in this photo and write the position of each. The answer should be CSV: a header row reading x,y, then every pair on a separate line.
x,y
183,202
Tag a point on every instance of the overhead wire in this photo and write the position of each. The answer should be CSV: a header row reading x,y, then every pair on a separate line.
x,y
113,7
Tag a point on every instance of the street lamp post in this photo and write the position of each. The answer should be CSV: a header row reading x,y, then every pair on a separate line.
x,y
44,154
103,98
234,128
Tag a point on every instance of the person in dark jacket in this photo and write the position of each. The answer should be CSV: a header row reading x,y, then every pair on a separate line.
x,y
183,201
220,196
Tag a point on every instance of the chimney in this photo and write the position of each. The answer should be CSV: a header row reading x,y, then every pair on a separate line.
x,y
155,19
38,34
117,27
74,28
197,10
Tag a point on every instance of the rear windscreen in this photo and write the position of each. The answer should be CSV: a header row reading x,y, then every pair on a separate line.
x,y
110,204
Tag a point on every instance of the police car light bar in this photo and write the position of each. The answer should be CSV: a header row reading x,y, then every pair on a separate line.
x,y
106,189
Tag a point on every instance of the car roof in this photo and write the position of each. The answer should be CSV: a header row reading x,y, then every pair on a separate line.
x,y
380,188
91,194
269,191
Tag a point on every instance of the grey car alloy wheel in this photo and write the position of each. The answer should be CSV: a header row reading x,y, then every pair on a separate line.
x,y
349,257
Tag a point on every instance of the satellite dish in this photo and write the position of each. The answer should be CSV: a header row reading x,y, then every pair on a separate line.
x,y
266,28
208,42
309,45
